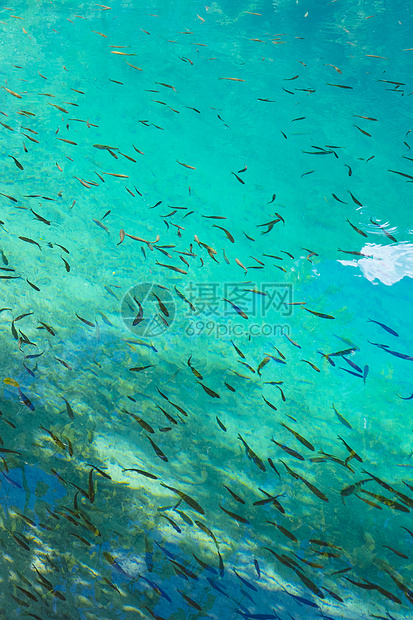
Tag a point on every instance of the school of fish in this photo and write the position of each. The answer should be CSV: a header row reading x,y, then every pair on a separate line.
x,y
161,454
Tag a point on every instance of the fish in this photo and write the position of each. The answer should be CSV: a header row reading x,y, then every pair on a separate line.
x,y
236,308
208,390
251,454
309,485
403,174
385,327
85,321
186,165
300,438
399,553
362,131
162,306
341,418
69,409
26,400
360,232
147,427
12,92
66,264
267,402
181,296
319,314
189,600
356,456
386,501
384,230
262,364
142,473
311,364
237,177
284,531
228,234
174,525
292,341
221,425
234,495
139,317
185,498
289,451
158,451
172,268
27,240
235,516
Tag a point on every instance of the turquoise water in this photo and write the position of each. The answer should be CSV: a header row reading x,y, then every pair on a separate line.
x,y
260,154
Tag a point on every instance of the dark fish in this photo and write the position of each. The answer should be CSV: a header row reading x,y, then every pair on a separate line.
x,y
245,582
228,234
85,321
284,531
190,601
18,164
273,466
309,584
386,501
407,398
300,438
235,516
140,421
269,404
236,308
143,473
257,568
395,172
208,391
174,525
240,353
69,409
353,365
360,232
26,400
288,450
401,555
319,314
167,415
355,199
162,306
27,240
158,451
251,454
139,317
181,296
388,329
356,456
355,374
292,341
238,178
186,498
338,199
341,418
221,425
362,131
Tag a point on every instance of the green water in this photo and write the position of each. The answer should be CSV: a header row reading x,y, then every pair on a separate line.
x,y
259,152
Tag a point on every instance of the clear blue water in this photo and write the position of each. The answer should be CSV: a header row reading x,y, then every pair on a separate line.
x,y
260,154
